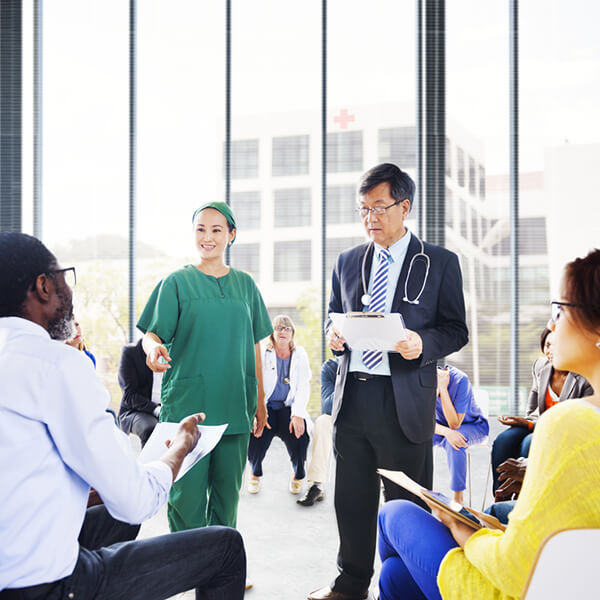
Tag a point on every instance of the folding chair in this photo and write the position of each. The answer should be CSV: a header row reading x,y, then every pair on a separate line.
x,y
482,399
565,566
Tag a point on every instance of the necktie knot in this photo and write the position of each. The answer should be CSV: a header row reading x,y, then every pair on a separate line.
x,y
384,255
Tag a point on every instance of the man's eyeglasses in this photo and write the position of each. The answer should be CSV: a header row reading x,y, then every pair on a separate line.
x,y
364,211
284,328
69,275
556,309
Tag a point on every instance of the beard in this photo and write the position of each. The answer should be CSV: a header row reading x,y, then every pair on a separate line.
x,y
61,326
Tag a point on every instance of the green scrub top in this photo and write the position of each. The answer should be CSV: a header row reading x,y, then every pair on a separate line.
x,y
209,326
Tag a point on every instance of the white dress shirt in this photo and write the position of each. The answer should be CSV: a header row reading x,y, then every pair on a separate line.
x,y
56,440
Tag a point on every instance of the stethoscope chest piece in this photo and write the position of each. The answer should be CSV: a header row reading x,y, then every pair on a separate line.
x,y
365,299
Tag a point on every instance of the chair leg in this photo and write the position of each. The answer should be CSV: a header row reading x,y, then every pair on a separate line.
x,y
469,474
487,482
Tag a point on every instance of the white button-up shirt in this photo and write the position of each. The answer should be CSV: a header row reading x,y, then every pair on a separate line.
x,y
56,440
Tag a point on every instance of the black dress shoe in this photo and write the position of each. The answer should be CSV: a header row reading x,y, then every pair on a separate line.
x,y
313,494
326,593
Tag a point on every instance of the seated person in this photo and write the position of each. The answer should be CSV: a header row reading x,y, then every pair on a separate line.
x,y
55,446
550,386
76,341
459,423
140,404
286,380
321,437
425,558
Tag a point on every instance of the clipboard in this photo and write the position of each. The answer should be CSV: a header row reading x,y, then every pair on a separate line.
x,y
460,513
370,330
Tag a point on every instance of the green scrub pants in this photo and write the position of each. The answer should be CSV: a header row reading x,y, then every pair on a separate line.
x,y
209,493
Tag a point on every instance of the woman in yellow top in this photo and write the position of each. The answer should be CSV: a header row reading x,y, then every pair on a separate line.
x,y
425,558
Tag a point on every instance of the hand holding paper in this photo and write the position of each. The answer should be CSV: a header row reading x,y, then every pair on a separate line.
x,y
164,432
370,331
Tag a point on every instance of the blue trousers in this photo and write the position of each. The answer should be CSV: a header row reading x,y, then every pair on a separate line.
x,y
412,545
279,420
514,442
457,459
113,567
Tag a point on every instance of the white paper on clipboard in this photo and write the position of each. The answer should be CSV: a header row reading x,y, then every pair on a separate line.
x,y
370,331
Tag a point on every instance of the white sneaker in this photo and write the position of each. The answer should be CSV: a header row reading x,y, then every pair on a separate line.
x,y
295,485
253,485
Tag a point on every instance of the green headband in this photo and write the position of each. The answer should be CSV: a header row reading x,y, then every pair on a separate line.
x,y
221,207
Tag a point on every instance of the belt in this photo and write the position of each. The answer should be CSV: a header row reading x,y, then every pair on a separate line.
x,y
359,376
33,591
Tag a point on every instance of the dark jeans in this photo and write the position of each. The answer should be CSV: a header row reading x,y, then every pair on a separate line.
x,y
501,510
279,420
367,436
143,424
514,442
110,567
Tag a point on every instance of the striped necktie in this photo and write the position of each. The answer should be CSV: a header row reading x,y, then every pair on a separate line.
x,y
372,358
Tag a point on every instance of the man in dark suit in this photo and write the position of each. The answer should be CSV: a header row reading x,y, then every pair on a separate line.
x,y
138,412
384,403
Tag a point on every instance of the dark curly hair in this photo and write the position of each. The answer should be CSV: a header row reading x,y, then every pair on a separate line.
x,y
22,258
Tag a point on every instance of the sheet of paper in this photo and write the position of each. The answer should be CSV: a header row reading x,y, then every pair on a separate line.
x,y
370,331
155,446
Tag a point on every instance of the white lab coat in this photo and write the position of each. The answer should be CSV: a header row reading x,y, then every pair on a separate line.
x,y
300,375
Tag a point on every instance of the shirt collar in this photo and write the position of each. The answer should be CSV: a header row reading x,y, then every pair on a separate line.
x,y
25,325
398,249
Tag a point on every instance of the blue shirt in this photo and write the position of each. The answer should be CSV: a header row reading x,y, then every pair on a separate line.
x,y
461,394
328,376
398,254
280,392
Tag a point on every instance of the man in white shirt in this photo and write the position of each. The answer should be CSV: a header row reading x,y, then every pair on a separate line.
x,y
56,440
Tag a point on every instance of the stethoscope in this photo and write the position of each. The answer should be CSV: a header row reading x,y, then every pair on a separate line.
x,y
366,298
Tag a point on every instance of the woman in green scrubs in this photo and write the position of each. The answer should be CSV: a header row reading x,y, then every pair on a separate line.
x,y
202,326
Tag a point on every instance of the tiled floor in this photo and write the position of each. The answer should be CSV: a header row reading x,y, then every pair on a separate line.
x,y
292,549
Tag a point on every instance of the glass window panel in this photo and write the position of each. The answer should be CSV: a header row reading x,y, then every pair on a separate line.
x,y
292,207
398,145
341,202
292,261
247,208
246,257
290,155
344,151
244,159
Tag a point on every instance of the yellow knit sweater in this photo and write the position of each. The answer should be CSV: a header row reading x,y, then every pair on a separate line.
x,y
561,490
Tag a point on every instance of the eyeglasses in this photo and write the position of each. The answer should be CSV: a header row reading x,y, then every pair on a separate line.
x,y
283,328
556,309
69,275
363,211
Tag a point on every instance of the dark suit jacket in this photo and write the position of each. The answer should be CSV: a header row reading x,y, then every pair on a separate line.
x,y
439,319
135,379
575,386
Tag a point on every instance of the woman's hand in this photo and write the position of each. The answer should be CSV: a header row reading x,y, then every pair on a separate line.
x,y
456,439
515,421
460,532
297,426
158,359
261,420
